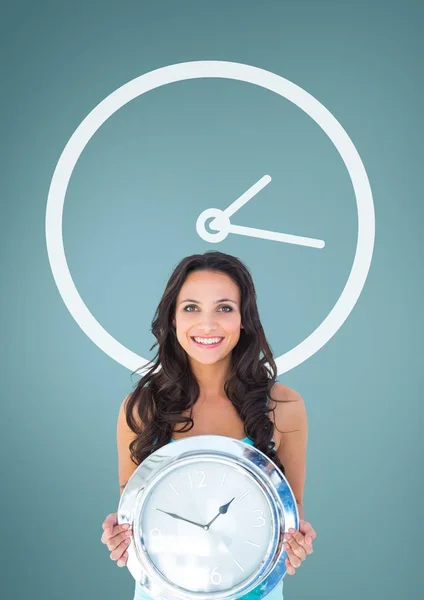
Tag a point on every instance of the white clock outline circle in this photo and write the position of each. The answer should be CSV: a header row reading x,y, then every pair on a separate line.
x,y
197,70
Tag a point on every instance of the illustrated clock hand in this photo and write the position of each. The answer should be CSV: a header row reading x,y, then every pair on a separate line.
x,y
222,510
222,226
248,195
174,516
299,240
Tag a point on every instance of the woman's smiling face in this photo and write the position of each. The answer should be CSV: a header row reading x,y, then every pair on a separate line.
x,y
207,316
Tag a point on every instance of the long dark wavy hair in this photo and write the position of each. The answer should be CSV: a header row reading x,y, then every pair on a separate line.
x,y
169,387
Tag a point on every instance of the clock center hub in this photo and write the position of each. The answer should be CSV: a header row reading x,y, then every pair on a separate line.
x,y
220,225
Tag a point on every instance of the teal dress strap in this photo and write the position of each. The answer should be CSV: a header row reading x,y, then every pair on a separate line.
x,y
248,440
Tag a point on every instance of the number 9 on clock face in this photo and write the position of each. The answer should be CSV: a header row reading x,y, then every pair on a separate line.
x,y
207,525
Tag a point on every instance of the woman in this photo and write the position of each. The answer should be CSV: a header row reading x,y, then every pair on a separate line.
x,y
209,376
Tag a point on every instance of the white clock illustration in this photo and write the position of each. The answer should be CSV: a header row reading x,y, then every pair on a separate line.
x,y
221,221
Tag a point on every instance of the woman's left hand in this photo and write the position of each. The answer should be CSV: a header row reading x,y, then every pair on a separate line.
x,y
298,545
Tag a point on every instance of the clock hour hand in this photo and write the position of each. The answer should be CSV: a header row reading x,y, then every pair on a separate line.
x,y
247,195
174,516
222,510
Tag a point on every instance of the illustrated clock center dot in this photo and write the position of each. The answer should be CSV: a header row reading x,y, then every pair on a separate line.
x,y
208,225
218,225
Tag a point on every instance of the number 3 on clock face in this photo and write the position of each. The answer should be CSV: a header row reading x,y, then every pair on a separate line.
x,y
207,525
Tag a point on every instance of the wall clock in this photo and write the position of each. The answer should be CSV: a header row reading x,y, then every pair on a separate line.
x,y
208,514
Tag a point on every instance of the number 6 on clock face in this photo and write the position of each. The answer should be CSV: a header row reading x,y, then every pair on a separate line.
x,y
208,516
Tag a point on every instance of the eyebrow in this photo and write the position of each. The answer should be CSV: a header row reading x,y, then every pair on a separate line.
x,y
217,302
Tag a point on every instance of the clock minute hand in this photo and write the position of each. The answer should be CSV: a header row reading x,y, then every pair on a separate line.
x,y
174,516
276,237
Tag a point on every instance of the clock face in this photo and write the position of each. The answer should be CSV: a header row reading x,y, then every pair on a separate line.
x,y
207,525
217,157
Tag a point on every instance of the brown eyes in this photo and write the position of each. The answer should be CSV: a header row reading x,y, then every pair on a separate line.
x,y
195,307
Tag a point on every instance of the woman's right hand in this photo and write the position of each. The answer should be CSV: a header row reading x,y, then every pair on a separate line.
x,y
117,538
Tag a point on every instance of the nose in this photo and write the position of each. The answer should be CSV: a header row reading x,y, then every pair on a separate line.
x,y
208,324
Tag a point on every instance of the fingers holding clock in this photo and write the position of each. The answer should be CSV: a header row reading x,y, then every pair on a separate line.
x,y
304,537
295,554
290,570
121,562
120,553
121,540
298,545
117,538
110,522
308,531
119,545
115,533
295,548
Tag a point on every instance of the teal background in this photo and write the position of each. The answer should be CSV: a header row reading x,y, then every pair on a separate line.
x,y
130,216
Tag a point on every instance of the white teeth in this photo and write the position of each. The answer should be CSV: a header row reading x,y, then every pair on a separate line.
x,y
207,341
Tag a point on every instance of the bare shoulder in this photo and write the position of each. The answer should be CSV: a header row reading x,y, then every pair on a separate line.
x,y
124,437
123,407
122,415
283,392
289,411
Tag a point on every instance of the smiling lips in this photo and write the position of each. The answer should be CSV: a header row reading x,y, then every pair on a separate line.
x,y
207,342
